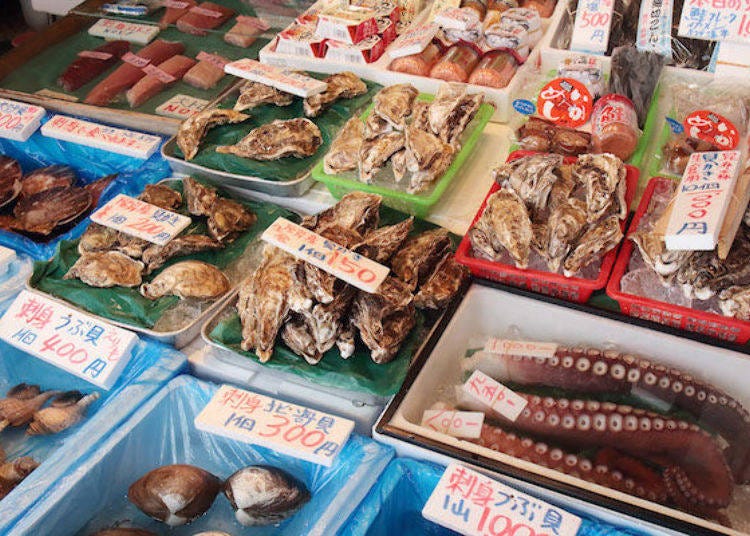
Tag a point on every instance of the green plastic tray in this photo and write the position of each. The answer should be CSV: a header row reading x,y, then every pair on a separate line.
x,y
416,204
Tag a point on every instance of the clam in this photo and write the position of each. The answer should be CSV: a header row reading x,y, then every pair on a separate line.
x,y
16,411
264,495
175,494
13,472
66,410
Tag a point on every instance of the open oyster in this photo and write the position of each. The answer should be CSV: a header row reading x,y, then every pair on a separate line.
x,y
344,85
10,180
344,152
106,269
566,223
47,178
188,279
504,225
193,129
394,104
604,178
278,139
598,239
161,196
254,94
155,256
41,213
415,261
531,177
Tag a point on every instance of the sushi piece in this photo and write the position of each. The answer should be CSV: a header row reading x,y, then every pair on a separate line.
x,y
206,16
207,72
245,31
175,10
91,63
168,72
127,75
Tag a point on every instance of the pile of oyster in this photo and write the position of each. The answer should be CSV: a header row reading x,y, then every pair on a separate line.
x,y
415,136
550,215
298,137
112,258
45,200
312,310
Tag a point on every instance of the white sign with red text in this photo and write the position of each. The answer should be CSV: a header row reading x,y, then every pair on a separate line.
x,y
524,348
592,25
455,423
113,30
18,120
494,395
413,41
77,343
287,428
282,79
181,106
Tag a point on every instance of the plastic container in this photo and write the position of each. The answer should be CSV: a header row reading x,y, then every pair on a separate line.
x,y
573,289
703,322
151,366
162,432
615,126
418,205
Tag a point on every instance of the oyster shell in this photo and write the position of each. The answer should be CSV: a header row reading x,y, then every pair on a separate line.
x,y
655,254
194,128
394,104
106,269
532,178
264,495
188,279
705,274
504,225
65,411
421,179
442,285
358,211
278,139
10,180
228,219
162,196
420,116
254,94
175,494
565,225
13,472
422,148
322,285
199,197
42,212
398,165
374,153
380,244
563,188
416,260
19,411
344,85
344,152
375,126
155,256
47,178
603,176
595,242
452,110
735,302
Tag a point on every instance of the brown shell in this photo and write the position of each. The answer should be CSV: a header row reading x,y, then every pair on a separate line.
x,y
65,411
47,178
17,412
42,212
199,197
96,188
10,180
161,196
228,219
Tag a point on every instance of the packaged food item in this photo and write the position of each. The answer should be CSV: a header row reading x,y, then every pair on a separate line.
x,y
346,24
300,40
496,69
585,69
614,126
418,64
366,51
634,74
543,7
506,34
457,63
529,19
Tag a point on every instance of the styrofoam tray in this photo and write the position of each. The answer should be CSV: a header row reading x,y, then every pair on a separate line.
x,y
487,311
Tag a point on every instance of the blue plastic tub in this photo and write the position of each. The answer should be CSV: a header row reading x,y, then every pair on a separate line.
x,y
394,505
151,366
90,164
93,496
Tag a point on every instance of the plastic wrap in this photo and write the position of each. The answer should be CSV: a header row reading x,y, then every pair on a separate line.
x,y
151,366
90,164
634,75
162,432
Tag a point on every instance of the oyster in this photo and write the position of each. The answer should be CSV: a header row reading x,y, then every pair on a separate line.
x,y
264,495
735,302
422,148
504,225
322,285
394,104
42,212
565,224
414,262
375,126
380,244
532,178
705,274
373,154
344,152
65,411
421,179
598,239
162,196
420,116
194,128
47,178
187,279
199,197
358,211
228,219
10,180
278,139
155,256
442,285
19,411
452,110
539,238
664,262
106,269
175,494
398,165
604,178
344,85
563,188
254,94
13,472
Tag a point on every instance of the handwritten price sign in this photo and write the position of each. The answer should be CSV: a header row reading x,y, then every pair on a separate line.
x,y
142,220
495,395
18,120
112,30
74,342
592,24
455,423
716,20
337,260
289,81
181,106
473,504
525,348
261,420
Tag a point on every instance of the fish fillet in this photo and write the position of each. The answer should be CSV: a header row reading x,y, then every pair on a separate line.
x,y
85,68
197,20
126,75
172,14
205,74
243,34
151,85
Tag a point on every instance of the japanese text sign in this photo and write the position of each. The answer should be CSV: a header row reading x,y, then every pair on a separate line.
x,y
18,120
655,27
702,200
112,30
713,128
289,81
181,106
74,342
566,102
287,428
494,395
591,27
455,423
475,505
140,219
355,269
525,348
716,20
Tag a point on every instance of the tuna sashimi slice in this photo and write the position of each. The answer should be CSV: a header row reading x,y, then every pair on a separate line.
x,y
206,16
174,11
91,63
243,33
207,73
126,75
165,74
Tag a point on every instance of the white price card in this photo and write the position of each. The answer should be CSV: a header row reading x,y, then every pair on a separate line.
x,y
72,341
140,219
592,25
355,269
18,120
455,423
476,505
495,395
715,20
282,79
524,348
181,106
287,428
114,30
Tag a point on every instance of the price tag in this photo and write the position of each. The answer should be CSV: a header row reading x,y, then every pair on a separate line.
x,y
206,12
655,27
475,505
94,55
116,140
181,106
213,59
289,81
135,61
711,127
591,27
413,41
175,4
524,348
74,342
140,219
566,102
287,428
113,30
355,269
455,423
18,120
702,201
159,74
715,20
495,395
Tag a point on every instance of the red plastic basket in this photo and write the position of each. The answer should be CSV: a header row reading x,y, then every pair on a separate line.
x,y
711,324
573,289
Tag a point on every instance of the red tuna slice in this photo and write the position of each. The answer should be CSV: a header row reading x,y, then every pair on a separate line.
x,y
126,75
91,63
206,16
174,11
165,74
